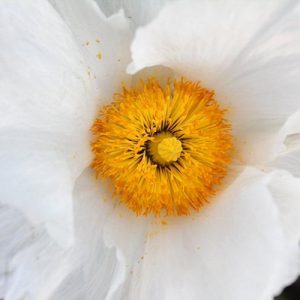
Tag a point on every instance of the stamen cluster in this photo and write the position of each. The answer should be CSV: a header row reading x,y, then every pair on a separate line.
x,y
164,148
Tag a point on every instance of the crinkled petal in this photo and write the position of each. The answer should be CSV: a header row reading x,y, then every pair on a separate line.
x,y
35,267
140,12
288,137
44,113
288,160
286,194
103,42
97,273
108,239
247,51
127,233
241,242
286,147
49,98
233,249
32,265
36,178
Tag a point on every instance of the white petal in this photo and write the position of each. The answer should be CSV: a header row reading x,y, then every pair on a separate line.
x,y
44,86
108,239
285,191
14,234
247,51
97,271
289,160
232,250
140,12
49,98
92,209
200,37
36,178
289,135
32,265
128,233
36,268
286,146
97,35
45,114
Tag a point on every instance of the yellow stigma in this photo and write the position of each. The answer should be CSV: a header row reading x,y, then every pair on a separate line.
x,y
169,149
165,149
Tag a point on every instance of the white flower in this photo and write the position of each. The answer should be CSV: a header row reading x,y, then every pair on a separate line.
x,y
60,62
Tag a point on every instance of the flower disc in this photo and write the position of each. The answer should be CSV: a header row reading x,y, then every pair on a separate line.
x,y
164,149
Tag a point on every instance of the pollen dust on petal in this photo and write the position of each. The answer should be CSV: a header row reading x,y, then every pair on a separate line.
x,y
99,55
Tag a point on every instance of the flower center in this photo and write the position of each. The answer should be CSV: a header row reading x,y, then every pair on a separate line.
x,y
165,149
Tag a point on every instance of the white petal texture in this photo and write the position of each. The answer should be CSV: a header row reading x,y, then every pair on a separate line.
x,y
286,152
40,103
239,247
285,191
63,236
247,51
95,271
140,12
32,265
49,98
104,43
50,81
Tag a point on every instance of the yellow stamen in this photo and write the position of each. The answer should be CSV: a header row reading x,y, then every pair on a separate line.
x,y
164,149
